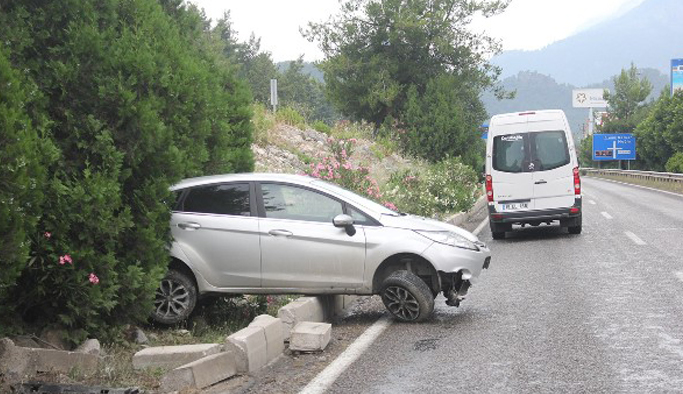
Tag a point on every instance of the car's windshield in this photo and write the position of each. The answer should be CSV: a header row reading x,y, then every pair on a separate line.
x,y
360,200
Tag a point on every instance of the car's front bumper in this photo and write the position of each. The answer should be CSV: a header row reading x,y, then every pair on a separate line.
x,y
455,260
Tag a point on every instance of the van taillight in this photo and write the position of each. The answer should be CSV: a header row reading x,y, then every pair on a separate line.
x,y
577,181
489,188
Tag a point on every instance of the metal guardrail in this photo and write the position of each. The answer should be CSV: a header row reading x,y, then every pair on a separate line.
x,y
669,177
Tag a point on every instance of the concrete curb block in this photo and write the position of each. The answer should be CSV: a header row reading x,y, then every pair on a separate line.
x,y
249,346
17,362
173,356
310,336
275,335
201,373
303,309
461,217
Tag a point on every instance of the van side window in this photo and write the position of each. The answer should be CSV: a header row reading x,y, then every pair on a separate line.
x,y
549,149
509,152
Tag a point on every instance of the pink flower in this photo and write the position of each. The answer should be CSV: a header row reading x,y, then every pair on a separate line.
x,y
353,140
93,278
47,234
390,206
65,259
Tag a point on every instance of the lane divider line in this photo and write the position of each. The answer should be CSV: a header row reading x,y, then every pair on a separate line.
x,y
591,202
326,378
679,275
635,238
607,215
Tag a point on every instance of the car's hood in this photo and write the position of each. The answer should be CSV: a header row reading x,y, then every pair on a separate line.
x,y
412,222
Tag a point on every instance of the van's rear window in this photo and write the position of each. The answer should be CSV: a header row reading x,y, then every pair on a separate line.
x,y
527,152
509,152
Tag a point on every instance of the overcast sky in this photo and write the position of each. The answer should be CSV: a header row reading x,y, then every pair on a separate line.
x,y
526,24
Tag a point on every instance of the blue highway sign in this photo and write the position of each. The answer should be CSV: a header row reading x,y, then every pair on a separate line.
x,y
614,147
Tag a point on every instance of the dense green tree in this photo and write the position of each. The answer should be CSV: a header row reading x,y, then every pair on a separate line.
x,y
630,91
24,155
377,50
136,99
444,121
660,135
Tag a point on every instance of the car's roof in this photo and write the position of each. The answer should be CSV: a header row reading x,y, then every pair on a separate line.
x,y
211,179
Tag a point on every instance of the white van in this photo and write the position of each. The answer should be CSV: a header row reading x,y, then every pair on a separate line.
x,y
532,174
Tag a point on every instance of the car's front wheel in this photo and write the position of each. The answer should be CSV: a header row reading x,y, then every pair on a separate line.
x,y
407,296
175,298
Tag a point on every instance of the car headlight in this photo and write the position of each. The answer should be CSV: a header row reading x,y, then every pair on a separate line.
x,y
449,238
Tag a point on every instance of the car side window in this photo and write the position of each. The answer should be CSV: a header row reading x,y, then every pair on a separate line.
x,y
296,203
222,199
358,217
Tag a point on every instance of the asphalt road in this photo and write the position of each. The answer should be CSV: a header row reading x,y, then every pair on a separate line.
x,y
599,312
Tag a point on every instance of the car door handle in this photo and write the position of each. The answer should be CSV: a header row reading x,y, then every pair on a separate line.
x,y
541,182
280,233
189,226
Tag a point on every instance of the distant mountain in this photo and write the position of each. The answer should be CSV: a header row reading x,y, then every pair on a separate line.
x,y
538,91
649,35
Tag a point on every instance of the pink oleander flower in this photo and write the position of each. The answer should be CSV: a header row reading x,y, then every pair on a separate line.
x,y
65,259
47,234
390,206
92,278
353,140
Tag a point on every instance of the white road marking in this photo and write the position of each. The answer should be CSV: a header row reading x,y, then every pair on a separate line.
x,y
635,238
679,275
606,215
591,202
326,378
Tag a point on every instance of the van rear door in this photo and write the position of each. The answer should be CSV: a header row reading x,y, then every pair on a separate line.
x,y
552,173
512,180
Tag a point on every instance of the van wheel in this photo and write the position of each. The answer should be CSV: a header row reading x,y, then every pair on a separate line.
x,y
498,235
175,299
576,229
407,297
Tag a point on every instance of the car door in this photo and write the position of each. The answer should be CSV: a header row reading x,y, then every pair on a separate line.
x,y
216,226
300,247
553,177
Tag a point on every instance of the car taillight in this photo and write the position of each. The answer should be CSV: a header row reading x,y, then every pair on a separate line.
x,y
489,188
577,181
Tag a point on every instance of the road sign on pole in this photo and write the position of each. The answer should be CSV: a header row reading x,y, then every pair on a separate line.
x,y
273,94
589,98
676,75
614,147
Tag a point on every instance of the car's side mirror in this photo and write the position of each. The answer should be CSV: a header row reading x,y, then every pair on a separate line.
x,y
345,221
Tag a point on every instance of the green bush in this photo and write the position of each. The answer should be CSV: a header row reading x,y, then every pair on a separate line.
x,y
442,189
675,163
322,127
136,100
23,161
290,116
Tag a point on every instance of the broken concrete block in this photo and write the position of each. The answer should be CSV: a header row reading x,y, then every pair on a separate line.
x,y
17,362
249,347
302,309
173,356
310,337
201,373
275,336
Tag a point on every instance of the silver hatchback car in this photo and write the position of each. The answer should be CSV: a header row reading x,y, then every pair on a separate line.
x,y
292,234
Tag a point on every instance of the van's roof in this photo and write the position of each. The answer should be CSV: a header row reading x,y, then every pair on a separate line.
x,y
526,116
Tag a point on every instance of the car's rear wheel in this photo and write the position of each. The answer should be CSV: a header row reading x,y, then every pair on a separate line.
x,y
175,299
407,297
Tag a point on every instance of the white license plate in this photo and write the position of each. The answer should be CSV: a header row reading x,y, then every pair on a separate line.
x,y
514,207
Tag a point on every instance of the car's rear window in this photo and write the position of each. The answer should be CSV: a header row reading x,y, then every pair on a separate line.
x,y
224,199
526,152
